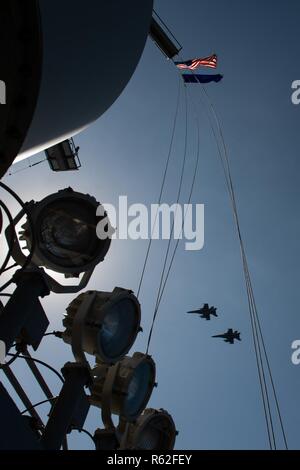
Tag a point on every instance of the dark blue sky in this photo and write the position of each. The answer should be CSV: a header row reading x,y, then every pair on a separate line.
x,y
210,388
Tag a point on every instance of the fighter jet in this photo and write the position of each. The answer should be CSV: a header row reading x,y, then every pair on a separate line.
x,y
205,312
229,336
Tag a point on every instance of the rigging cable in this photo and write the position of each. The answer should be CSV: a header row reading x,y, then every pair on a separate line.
x,y
189,200
173,222
262,381
163,283
85,432
162,184
268,365
255,322
49,400
31,165
264,391
247,274
14,265
257,348
38,361
7,364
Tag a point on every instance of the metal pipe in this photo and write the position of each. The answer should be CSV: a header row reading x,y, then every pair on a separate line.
x,y
22,395
162,40
38,376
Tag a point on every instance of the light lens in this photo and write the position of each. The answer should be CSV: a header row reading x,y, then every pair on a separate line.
x,y
155,435
68,232
138,390
118,327
150,439
153,430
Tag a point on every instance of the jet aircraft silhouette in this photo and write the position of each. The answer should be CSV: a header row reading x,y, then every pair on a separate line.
x,y
230,336
205,312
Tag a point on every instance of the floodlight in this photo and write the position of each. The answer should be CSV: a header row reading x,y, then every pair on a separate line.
x,y
104,324
153,430
65,225
65,236
123,389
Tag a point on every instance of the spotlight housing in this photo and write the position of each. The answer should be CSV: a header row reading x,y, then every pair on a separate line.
x,y
153,430
104,324
123,389
65,238
65,225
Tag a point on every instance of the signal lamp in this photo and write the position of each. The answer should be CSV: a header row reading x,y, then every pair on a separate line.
x,y
104,324
66,239
153,430
123,389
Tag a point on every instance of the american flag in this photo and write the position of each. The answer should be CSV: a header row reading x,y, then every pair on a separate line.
x,y
211,62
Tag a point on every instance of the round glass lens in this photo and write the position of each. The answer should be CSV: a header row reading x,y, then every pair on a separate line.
x,y
155,435
138,389
68,232
118,328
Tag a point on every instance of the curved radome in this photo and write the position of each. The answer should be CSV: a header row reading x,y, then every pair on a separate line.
x,y
89,51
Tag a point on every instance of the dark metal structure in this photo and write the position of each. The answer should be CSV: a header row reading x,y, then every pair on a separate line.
x,y
56,84
102,324
63,156
163,38
58,81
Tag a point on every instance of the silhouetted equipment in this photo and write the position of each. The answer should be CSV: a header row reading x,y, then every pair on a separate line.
x,y
230,336
123,389
17,433
163,38
153,430
104,324
205,312
106,439
22,395
65,233
63,156
23,317
71,407
22,74
58,81
58,85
